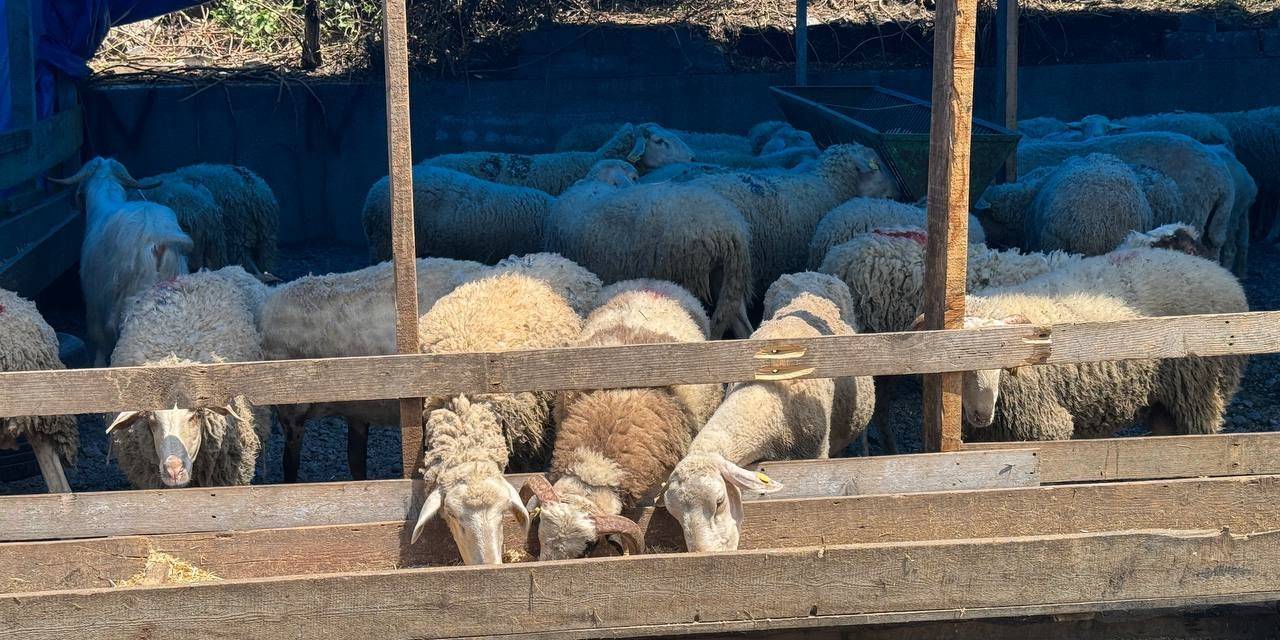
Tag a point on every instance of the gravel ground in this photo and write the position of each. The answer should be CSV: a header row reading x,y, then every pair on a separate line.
x,y
1255,408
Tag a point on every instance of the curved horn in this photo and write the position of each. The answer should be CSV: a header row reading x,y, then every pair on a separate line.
x,y
538,485
642,141
122,174
625,528
85,171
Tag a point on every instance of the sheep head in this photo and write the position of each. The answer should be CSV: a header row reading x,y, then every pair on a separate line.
x,y
704,494
856,170
615,173
177,435
470,494
657,147
570,525
981,389
1094,126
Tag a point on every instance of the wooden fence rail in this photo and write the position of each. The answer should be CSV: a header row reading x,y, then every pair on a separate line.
x,y
399,376
1242,504
681,594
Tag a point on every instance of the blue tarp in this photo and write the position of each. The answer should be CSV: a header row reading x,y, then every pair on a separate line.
x,y
68,33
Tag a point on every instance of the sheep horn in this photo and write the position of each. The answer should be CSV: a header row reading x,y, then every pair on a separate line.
x,y
625,528
637,150
85,171
538,485
122,174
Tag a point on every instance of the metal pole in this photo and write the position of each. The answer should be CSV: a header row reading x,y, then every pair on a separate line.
x,y
802,42
1007,74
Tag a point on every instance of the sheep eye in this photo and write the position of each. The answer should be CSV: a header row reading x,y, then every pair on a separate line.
x,y
719,503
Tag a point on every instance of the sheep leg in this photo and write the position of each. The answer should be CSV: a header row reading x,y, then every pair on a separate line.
x,y
55,478
881,416
742,323
357,448
1161,422
295,427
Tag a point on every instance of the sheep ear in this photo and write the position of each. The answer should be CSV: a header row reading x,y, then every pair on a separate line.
x,y
1111,126
158,251
1075,126
747,479
124,420
918,323
429,509
637,151
734,495
517,508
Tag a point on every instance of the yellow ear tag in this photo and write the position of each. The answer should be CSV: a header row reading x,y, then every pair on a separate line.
x,y
537,511
762,477
875,166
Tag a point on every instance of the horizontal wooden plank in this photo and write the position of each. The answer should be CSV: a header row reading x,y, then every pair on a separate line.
x,y
1152,457
115,513
397,376
1244,505
769,588
1230,623
28,152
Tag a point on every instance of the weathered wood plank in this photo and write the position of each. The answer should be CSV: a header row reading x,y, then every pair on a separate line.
x,y
946,256
34,149
22,59
386,377
40,244
767,589
1243,505
1151,458
114,513
403,250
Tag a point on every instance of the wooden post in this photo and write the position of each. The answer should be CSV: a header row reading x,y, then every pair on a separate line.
x,y
1007,75
22,70
55,478
400,170
802,42
311,34
948,210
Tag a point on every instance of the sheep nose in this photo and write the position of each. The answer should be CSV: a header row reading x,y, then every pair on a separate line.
x,y
173,469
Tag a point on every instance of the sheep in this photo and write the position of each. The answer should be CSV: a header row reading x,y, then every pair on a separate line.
x,y
1204,182
614,447
577,284
1235,253
1057,402
1042,127
470,441
127,247
768,420
198,215
1087,206
1255,137
341,315
1200,127
861,215
587,137
28,343
250,213
782,210
459,216
647,146
200,317
695,238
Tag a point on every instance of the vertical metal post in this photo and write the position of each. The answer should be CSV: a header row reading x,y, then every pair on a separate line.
x,y
311,34
1007,74
948,209
400,171
802,42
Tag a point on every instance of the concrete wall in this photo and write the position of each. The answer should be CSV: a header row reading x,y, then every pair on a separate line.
x,y
321,146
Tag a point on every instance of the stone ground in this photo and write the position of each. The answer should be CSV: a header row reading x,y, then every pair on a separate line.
x,y
1255,408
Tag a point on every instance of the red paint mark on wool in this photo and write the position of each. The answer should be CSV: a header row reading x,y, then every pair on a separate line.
x,y
919,237
1,308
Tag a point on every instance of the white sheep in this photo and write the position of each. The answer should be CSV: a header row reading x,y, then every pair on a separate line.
x,y
1057,402
1087,205
459,216
469,442
1235,252
615,447
575,283
861,215
1043,127
1255,136
1197,126
675,232
647,146
127,247
782,210
340,315
774,420
200,317
1204,182
28,343
198,214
